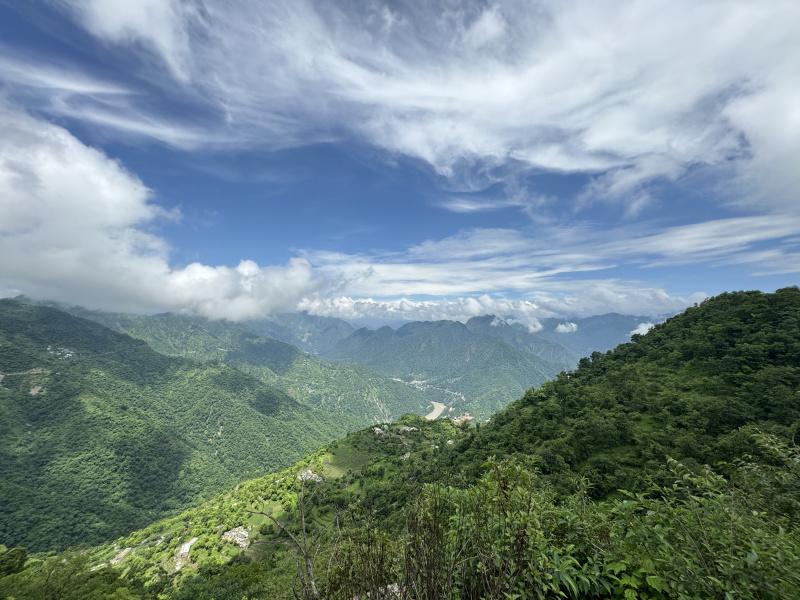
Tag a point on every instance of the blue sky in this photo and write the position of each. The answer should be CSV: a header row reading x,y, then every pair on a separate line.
x,y
398,160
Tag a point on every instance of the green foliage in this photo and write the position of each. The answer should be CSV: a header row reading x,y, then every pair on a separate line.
x,y
460,365
682,390
353,390
12,561
698,539
508,536
100,435
586,499
67,576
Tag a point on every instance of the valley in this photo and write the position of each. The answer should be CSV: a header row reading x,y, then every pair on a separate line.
x,y
399,300
600,463
99,433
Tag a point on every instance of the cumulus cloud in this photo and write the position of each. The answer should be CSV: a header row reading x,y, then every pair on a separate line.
x,y
628,92
592,298
75,225
642,328
455,309
567,328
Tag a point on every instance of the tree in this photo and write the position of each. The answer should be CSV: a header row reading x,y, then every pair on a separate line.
x,y
304,546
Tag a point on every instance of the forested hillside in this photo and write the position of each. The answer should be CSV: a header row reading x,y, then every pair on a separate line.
x,y
478,367
457,364
350,389
99,434
694,422
310,333
682,390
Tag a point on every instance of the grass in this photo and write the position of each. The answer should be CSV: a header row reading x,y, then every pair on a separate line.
x,y
337,463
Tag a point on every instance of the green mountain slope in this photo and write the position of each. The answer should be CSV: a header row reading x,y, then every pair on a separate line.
x,y
682,391
363,467
417,508
310,333
350,389
456,364
100,434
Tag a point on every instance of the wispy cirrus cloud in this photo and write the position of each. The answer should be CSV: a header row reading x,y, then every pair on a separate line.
x,y
57,79
722,240
502,260
630,93
560,270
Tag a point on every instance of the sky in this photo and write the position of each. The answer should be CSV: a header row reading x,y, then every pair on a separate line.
x,y
400,160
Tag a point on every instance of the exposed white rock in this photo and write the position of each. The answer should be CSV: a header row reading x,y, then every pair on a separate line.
x,y
237,535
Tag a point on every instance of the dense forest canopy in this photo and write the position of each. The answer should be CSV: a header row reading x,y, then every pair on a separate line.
x,y
682,390
99,434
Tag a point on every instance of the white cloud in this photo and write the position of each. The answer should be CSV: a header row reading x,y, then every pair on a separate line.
x,y
489,27
62,79
559,261
160,24
717,239
630,92
455,309
642,328
599,297
75,225
567,328
471,244
589,298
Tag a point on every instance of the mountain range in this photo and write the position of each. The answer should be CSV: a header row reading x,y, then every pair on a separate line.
x,y
99,433
145,429
595,485
476,367
481,365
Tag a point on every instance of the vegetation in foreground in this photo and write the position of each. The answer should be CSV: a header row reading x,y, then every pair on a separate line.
x,y
506,536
